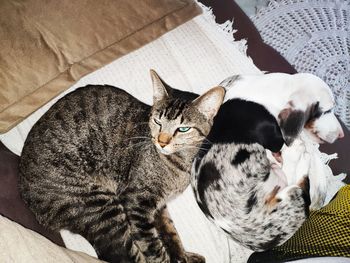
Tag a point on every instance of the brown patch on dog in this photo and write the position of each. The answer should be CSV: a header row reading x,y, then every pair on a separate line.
x,y
312,112
271,199
310,125
284,113
304,184
291,122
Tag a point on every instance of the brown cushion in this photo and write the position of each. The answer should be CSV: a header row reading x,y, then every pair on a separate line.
x,y
46,46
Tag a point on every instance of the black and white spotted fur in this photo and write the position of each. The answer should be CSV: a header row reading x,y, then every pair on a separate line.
x,y
235,186
238,187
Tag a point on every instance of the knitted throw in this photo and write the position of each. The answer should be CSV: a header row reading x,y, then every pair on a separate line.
x,y
314,36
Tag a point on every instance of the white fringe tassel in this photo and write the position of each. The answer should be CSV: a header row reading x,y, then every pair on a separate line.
x,y
226,28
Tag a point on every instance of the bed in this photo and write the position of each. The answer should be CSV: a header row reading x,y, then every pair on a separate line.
x,y
191,54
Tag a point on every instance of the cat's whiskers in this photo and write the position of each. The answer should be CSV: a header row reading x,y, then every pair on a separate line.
x,y
198,148
204,143
137,137
146,140
201,141
191,137
141,123
140,144
205,140
189,146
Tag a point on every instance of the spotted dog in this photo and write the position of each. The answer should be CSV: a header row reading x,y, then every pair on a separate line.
x,y
238,183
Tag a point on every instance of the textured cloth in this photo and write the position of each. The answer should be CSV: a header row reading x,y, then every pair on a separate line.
x,y
46,46
314,36
304,157
325,233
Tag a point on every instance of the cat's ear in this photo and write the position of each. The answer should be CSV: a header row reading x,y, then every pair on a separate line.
x,y
210,102
159,90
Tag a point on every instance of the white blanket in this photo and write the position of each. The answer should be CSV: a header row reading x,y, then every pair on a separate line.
x,y
195,56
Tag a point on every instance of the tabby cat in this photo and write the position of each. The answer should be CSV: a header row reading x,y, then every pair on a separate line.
x,y
102,164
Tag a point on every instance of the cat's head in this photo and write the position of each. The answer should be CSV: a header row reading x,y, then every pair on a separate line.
x,y
179,124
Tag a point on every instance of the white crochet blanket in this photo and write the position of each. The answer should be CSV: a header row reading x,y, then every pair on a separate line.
x,y
314,36
195,56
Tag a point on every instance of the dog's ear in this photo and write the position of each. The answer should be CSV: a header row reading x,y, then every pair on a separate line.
x,y
292,120
313,112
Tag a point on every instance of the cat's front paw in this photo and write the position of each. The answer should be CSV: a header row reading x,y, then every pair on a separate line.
x,y
194,258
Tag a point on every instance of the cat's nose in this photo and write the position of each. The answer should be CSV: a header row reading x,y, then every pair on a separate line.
x,y
161,144
164,139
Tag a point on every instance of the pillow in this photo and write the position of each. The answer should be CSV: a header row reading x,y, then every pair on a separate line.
x,y
23,245
46,46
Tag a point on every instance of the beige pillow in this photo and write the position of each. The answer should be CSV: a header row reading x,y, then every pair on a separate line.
x,y
46,46
19,244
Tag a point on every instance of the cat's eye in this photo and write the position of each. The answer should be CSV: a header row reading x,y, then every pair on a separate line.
x,y
156,121
184,129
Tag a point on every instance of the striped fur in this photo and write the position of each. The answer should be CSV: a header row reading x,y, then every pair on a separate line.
x,y
89,166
